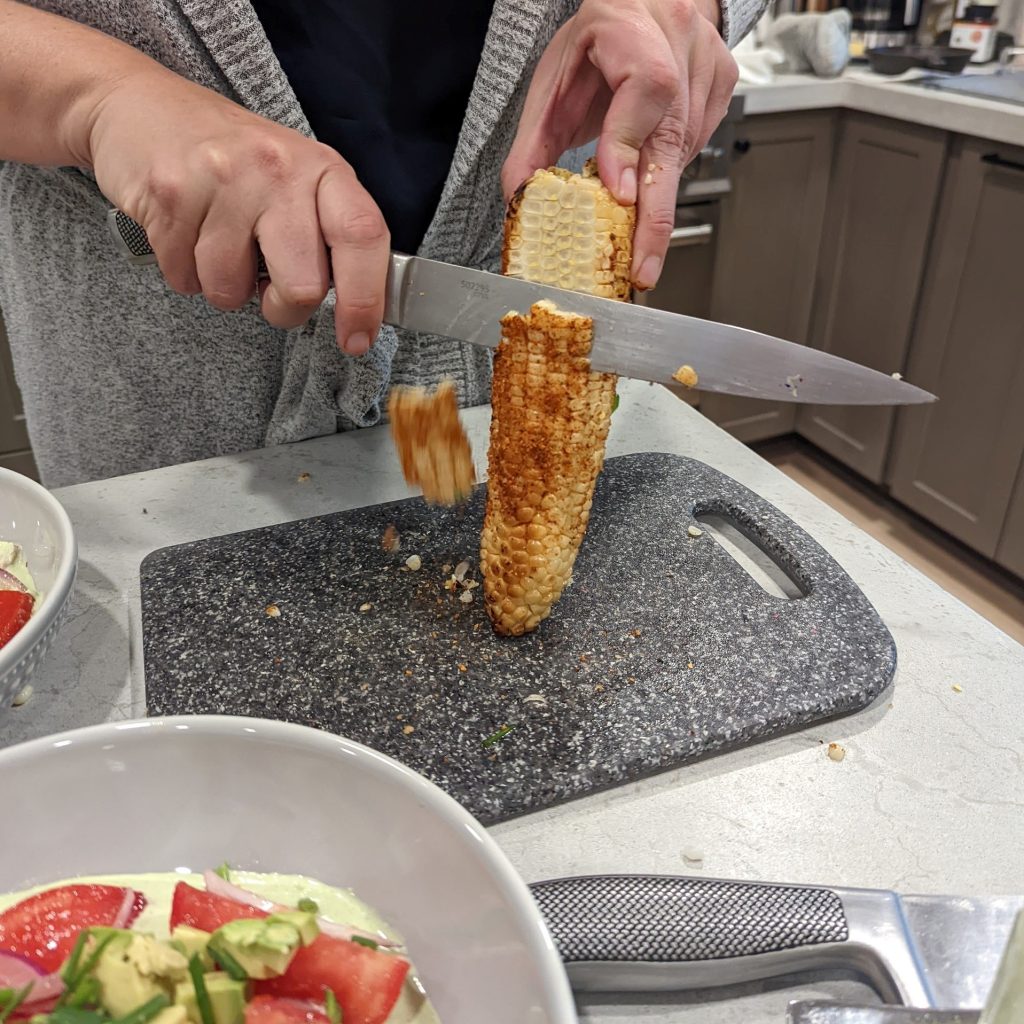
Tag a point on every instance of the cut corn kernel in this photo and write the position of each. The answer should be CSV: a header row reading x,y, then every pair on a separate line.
x,y
550,413
431,443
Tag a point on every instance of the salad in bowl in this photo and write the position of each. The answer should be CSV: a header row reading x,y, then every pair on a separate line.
x,y
221,948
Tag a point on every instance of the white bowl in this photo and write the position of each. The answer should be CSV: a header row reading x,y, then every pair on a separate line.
x,y
32,517
156,795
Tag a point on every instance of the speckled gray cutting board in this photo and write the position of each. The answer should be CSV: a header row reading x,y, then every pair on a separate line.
x,y
662,650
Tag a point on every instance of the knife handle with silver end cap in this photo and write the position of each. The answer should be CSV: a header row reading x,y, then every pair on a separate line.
x,y
646,933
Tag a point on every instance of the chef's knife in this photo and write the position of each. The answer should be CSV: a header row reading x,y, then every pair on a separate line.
x,y
813,1011
635,341
618,933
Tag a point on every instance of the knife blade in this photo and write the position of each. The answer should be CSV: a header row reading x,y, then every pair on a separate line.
x,y
815,1011
621,933
431,297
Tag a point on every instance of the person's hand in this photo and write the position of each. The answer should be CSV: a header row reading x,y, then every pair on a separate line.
x,y
208,180
650,78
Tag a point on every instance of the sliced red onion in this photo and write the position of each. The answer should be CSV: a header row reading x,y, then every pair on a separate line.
x,y
16,971
48,987
8,581
124,912
221,887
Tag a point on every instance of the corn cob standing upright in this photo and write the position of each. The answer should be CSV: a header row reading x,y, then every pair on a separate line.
x,y
550,412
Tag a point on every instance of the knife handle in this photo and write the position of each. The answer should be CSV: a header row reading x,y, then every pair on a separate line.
x,y
620,933
133,243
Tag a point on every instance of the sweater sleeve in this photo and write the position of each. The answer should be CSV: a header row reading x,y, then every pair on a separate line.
x,y
739,17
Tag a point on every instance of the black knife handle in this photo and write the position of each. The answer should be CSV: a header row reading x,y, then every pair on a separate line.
x,y
133,243
668,919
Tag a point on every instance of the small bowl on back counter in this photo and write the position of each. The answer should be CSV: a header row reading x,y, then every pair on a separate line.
x,y
33,518
894,60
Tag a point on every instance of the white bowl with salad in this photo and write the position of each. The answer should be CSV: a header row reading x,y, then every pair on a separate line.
x,y
38,559
212,870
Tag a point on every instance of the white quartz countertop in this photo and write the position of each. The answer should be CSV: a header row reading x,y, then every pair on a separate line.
x,y
897,97
928,798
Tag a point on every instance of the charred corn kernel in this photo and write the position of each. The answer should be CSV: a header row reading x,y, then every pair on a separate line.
x,y
550,413
431,443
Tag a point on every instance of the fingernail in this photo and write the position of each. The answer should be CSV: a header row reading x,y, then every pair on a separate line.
x,y
647,276
627,186
357,344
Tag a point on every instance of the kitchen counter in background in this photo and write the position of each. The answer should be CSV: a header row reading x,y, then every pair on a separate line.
x,y
928,797
897,97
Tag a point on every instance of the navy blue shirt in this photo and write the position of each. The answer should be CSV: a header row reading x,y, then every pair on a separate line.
x,y
385,83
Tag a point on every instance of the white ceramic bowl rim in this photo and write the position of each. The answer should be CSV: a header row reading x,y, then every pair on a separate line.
x,y
21,643
540,945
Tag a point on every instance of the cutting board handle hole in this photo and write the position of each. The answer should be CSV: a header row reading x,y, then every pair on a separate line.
x,y
751,554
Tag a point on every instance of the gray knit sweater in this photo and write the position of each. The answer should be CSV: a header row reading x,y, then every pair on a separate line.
x,y
120,374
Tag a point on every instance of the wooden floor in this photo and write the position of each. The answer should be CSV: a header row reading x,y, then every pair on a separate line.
x,y
996,595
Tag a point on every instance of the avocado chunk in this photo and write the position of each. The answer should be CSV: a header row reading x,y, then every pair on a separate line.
x,y
227,999
192,942
134,968
264,948
171,1015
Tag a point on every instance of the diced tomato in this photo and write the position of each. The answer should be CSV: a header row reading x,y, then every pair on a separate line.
x,y
365,981
44,927
206,910
271,1010
15,611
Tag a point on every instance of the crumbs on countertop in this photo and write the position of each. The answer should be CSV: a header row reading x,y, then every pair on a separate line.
x,y
414,562
391,541
273,611
695,531
22,697
304,478
836,752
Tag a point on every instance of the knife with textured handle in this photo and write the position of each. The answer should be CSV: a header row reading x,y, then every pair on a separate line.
x,y
620,933
634,341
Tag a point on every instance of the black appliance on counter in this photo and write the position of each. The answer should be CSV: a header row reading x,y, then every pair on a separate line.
x,y
882,23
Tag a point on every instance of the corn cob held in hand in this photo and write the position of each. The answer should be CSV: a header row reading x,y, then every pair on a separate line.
x,y
550,412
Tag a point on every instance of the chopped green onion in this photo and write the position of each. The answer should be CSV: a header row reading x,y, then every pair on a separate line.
x,y
75,1015
72,973
309,906
224,871
70,968
146,1012
500,734
11,999
368,943
195,970
615,403
86,991
331,1006
231,967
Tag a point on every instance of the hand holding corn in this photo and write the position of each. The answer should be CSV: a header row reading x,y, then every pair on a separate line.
x,y
651,79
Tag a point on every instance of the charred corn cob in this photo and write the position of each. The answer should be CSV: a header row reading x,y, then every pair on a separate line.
x,y
550,412
431,443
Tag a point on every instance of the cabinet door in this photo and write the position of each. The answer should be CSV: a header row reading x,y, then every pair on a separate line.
x,y
956,461
1010,553
885,184
768,248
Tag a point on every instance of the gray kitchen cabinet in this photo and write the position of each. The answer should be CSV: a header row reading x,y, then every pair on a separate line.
x,y
882,198
1010,553
768,248
956,462
14,449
